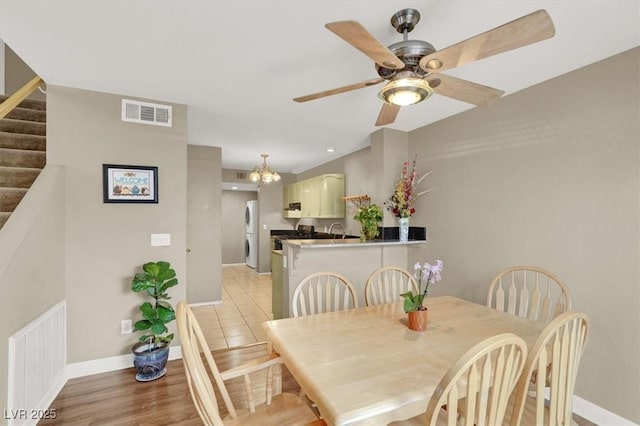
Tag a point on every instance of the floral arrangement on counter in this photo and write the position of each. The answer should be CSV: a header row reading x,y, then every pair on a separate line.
x,y
429,274
401,202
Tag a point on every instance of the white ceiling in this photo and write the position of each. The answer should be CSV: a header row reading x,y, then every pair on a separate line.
x,y
238,64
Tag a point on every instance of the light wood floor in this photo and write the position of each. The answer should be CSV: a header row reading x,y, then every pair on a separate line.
x,y
116,398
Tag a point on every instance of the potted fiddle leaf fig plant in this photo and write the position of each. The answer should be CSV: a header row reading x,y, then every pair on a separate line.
x,y
369,217
152,351
414,302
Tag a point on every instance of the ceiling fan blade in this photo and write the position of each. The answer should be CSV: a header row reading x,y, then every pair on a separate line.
x,y
463,90
523,31
338,90
388,114
357,36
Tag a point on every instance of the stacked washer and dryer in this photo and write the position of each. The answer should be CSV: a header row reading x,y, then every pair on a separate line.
x,y
251,242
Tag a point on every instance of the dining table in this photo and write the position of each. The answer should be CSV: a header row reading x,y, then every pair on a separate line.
x,y
364,366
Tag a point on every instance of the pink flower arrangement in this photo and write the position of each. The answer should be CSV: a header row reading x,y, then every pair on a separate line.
x,y
401,202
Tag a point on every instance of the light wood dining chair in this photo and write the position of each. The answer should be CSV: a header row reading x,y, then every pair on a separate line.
x,y
557,352
478,385
386,284
529,292
282,409
323,292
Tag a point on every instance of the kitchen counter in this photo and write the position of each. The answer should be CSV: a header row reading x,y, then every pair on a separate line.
x,y
346,242
350,257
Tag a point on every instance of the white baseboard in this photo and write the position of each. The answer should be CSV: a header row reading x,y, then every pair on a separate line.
x,y
597,414
234,264
103,365
197,305
594,413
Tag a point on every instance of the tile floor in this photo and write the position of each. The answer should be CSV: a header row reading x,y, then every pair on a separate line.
x,y
246,303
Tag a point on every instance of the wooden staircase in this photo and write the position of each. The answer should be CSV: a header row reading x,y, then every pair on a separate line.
x,y
22,152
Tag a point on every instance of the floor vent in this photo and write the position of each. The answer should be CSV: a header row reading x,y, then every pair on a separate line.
x,y
147,113
37,361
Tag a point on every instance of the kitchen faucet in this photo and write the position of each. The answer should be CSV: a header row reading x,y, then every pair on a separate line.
x,y
334,224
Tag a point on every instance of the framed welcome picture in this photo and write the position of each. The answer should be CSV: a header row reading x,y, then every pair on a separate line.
x,y
129,184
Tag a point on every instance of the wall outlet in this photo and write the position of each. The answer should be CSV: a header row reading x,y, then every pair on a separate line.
x,y
126,327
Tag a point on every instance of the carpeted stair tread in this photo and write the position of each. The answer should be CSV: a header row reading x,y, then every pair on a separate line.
x,y
10,125
28,114
10,197
18,141
22,158
18,177
23,145
28,103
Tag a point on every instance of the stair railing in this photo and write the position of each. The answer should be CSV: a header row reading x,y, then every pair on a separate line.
x,y
14,100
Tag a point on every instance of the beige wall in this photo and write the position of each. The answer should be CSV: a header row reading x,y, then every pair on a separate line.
x,y
108,243
2,71
234,230
32,263
17,74
389,151
270,214
549,176
204,221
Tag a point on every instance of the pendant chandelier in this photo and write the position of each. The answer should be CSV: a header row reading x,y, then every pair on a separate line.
x,y
266,175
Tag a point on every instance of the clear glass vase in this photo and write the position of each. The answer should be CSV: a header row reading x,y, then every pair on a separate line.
x,y
404,228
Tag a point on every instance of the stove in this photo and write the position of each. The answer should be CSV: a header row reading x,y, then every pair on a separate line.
x,y
303,232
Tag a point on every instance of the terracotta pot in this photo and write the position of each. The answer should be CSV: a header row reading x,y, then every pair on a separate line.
x,y
418,320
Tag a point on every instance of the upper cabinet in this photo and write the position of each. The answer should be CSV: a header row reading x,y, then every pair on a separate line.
x,y
331,194
319,197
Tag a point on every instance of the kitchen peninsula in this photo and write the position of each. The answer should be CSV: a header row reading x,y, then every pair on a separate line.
x,y
351,257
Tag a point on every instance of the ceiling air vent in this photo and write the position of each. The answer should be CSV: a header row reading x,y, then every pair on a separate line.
x,y
241,175
145,112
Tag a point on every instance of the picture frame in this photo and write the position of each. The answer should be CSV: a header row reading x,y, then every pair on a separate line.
x,y
129,184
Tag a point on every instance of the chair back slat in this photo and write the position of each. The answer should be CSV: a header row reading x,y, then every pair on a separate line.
x,y
471,403
194,346
452,401
499,305
513,294
524,299
547,305
323,292
385,285
531,292
484,377
553,362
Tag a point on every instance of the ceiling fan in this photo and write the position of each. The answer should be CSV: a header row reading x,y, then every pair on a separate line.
x,y
412,68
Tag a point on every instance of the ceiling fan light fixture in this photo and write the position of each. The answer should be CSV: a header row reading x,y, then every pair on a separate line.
x,y
266,175
405,91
